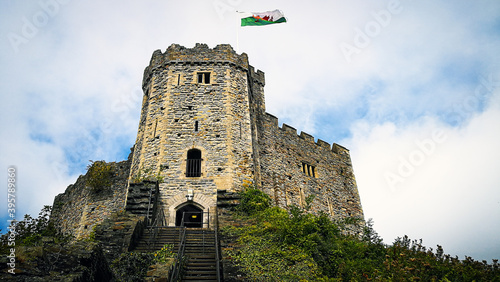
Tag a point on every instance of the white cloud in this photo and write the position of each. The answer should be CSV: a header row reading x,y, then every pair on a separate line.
x,y
41,170
432,181
72,92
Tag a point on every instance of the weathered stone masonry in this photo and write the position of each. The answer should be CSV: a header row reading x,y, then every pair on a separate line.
x,y
204,110
78,210
285,158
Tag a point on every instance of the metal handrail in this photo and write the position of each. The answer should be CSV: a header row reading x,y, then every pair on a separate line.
x,y
217,258
149,206
176,269
159,221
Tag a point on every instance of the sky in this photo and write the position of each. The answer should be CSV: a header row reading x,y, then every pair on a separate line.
x,y
411,88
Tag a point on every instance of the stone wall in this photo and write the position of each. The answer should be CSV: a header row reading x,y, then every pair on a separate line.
x,y
142,198
226,204
119,233
77,210
294,169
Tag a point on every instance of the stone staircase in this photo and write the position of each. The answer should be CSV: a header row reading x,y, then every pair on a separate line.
x,y
199,251
200,254
142,197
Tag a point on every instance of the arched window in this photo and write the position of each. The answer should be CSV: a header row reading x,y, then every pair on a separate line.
x,y
193,163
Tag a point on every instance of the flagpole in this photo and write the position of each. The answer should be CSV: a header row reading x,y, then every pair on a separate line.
x,y
238,34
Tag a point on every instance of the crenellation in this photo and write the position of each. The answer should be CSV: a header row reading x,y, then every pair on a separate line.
x,y
288,129
342,152
272,119
258,76
323,144
307,137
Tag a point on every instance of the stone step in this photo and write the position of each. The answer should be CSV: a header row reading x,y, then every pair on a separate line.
x,y
200,257
200,278
201,265
193,272
189,251
199,250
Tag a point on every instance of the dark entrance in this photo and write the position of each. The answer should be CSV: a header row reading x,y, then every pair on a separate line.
x,y
193,216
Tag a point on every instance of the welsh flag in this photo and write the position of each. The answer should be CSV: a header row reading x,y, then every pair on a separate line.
x,y
264,18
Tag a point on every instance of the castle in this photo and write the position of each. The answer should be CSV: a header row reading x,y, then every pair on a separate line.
x,y
204,133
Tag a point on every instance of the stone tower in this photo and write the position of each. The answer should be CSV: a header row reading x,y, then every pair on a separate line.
x,y
204,132
195,127
203,129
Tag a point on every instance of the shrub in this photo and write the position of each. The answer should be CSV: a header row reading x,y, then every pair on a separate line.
x,y
132,266
99,175
293,245
253,201
165,253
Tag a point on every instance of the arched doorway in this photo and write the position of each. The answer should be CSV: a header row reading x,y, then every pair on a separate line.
x,y
193,216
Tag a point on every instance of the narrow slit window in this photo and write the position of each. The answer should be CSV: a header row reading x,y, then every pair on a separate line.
x,y
156,125
196,126
204,77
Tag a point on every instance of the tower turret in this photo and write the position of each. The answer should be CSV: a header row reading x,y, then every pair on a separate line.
x,y
195,127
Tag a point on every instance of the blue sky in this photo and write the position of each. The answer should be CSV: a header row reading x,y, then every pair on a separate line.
x,y
410,87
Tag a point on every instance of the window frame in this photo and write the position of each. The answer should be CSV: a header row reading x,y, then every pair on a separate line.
x,y
193,164
309,170
203,77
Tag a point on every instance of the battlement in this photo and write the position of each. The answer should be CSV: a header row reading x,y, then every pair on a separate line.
x,y
201,54
258,76
304,137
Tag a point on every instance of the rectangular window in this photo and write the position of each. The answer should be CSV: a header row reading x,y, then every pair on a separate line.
x,y
204,77
309,170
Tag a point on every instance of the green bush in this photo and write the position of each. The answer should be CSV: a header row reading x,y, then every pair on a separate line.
x,y
29,231
293,245
132,267
253,201
99,174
